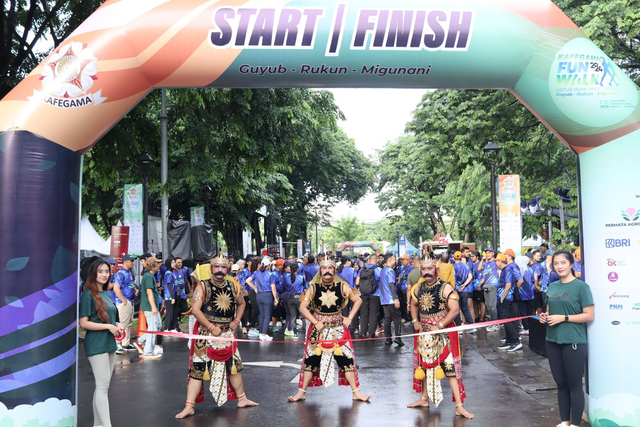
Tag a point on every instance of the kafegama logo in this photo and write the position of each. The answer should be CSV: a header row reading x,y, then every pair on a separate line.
x,y
67,77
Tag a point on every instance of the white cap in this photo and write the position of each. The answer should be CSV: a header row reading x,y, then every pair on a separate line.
x,y
265,261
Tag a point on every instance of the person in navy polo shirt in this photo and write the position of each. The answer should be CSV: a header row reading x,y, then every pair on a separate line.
x,y
125,290
368,278
310,269
390,301
463,277
505,304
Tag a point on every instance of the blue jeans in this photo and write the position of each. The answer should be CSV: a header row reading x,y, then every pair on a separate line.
x,y
153,325
265,305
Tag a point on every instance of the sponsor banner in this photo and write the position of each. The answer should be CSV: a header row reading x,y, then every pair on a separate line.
x,y
133,216
402,245
197,215
299,248
119,244
510,214
246,243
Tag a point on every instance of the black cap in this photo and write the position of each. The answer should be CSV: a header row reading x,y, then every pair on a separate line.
x,y
145,255
128,257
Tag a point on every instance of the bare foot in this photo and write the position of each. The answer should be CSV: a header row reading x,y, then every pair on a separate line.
x,y
300,395
420,403
186,412
359,396
245,403
464,413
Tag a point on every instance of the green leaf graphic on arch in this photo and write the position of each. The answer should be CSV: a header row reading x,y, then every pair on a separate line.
x,y
17,264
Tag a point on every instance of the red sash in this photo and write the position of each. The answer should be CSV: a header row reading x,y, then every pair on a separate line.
x,y
221,355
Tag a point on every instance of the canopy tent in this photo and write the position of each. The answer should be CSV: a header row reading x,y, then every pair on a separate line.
x,y
90,240
361,244
409,249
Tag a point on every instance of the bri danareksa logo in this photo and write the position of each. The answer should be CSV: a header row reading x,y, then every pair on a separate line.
x,y
67,76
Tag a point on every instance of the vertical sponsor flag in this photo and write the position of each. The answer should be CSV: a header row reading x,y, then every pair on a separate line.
x,y
119,244
299,248
402,245
133,200
509,206
246,243
197,216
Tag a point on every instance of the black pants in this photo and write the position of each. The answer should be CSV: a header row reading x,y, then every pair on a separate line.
x,y
526,309
255,310
248,309
369,319
567,366
404,310
355,323
509,310
171,315
391,312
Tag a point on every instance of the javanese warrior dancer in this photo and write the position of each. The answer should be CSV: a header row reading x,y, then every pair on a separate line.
x,y
434,305
329,340
214,306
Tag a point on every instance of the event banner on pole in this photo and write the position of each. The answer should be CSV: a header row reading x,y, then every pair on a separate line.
x,y
299,248
509,207
402,245
119,244
197,215
246,243
133,203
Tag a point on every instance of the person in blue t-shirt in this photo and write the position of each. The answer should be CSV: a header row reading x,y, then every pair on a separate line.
x,y
525,305
476,285
463,277
489,283
390,301
125,290
170,290
369,277
347,272
403,275
577,263
506,307
294,286
283,296
266,296
310,270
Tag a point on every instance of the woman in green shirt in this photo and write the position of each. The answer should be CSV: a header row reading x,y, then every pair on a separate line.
x,y
98,318
569,307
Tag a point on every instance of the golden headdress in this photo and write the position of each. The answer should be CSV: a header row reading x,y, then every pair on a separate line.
x,y
327,261
220,259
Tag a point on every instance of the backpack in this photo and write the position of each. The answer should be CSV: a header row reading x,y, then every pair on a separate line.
x,y
368,283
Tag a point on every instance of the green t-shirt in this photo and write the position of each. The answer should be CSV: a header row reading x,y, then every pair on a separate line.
x,y
568,299
98,342
148,282
413,277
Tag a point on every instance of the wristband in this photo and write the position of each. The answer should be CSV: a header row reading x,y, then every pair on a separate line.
x,y
350,318
440,325
236,321
414,320
210,328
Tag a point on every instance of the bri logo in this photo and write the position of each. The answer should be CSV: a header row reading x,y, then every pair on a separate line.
x,y
617,243
615,306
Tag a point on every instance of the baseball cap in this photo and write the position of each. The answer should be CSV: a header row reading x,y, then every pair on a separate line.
x,y
235,267
111,261
457,255
490,250
145,255
501,257
128,257
266,262
280,261
152,259
577,251
405,256
510,253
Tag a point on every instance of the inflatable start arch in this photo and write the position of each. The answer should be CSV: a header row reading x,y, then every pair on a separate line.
x,y
128,47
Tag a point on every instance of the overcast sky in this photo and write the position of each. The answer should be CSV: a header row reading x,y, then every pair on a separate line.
x,y
373,117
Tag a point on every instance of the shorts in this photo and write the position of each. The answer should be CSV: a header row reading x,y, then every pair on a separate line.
x,y
478,296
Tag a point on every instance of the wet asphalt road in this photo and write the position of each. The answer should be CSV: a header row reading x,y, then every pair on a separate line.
x,y
502,389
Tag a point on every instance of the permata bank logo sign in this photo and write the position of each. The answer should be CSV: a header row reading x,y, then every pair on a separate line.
x,y
67,77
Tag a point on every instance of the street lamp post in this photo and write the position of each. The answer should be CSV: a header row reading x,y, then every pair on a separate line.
x,y
398,236
491,150
145,161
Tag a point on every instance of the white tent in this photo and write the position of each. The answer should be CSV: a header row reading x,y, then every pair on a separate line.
x,y
89,238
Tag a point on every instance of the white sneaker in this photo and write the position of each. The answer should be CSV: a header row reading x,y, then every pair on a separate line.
x,y
525,332
270,323
158,350
563,424
299,322
265,337
470,331
279,324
